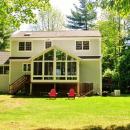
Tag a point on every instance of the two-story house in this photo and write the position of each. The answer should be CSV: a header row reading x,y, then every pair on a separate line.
x,y
39,61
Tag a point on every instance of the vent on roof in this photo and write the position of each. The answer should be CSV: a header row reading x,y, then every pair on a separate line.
x,y
27,34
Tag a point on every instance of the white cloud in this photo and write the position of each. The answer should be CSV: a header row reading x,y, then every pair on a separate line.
x,y
64,6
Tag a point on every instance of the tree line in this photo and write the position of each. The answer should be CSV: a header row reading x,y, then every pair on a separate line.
x,y
112,23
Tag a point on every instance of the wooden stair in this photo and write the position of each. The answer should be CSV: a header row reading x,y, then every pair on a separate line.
x,y
19,84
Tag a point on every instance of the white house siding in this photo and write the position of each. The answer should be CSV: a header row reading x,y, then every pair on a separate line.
x,y
16,70
4,83
90,72
68,44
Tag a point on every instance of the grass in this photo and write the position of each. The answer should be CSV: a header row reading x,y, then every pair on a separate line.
x,y
82,113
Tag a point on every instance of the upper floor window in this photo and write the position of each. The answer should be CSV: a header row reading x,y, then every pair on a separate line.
x,y
82,45
85,45
47,44
78,45
4,69
25,46
26,67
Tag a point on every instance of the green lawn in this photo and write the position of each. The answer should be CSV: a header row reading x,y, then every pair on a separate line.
x,y
81,113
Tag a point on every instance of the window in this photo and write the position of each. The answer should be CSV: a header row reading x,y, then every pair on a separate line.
x,y
85,45
71,66
82,45
78,45
25,46
28,46
37,70
60,68
21,46
26,67
47,45
4,69
55,65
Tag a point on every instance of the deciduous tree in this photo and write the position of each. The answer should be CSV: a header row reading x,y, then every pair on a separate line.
x,y
15,12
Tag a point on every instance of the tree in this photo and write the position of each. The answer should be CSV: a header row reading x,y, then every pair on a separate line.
x,y
15,12
110,38
83,16
124,69
49,20
4,37
117,6
112,50
121,7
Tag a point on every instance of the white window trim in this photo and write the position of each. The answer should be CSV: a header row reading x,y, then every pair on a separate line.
x,y
23,67
45,44
82,45
3,69
24,47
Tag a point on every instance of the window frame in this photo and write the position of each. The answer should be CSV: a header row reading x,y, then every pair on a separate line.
x,y
27,67
64,77
3,70
82,45
25,46
87,45
78,45
46,46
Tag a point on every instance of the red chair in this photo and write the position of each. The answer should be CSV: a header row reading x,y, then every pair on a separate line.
x,y
71,93
52,93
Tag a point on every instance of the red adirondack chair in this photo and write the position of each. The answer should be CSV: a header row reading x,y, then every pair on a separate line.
x,y
52,93
71,93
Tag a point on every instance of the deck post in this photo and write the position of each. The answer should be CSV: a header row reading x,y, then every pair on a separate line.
x,y
54,86
30,89
78,89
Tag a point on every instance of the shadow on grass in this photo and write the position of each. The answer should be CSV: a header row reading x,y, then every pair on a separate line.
x,y
32,96
112,127
46,96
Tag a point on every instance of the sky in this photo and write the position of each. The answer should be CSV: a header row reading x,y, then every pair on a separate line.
x,y
64,6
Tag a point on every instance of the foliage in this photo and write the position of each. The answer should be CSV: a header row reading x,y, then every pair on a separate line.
x,y
111,58
124,69
121,7
83,16
108,73
111,74
15,12
49,20
110,39
4,37
112,47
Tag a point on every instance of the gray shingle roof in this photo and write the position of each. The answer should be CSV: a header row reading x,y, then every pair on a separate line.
x,y
4,56
67,33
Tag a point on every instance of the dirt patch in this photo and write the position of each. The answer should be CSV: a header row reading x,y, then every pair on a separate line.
x,y
6,103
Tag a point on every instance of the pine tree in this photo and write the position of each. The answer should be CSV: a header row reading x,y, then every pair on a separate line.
x,y
83,16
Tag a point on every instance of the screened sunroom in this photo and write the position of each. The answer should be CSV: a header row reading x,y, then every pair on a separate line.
x,y
55,65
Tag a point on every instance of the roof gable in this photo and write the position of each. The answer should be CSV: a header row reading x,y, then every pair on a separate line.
x,y
56,48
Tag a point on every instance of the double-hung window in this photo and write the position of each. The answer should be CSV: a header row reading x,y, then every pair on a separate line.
x,y
82,45
25,46
4,69
26,67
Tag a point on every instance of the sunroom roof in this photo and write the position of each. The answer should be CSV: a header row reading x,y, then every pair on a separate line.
x,y
56,48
